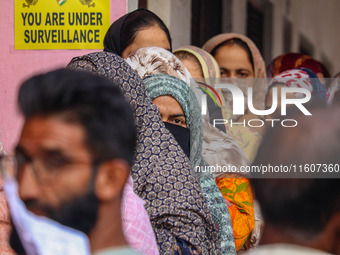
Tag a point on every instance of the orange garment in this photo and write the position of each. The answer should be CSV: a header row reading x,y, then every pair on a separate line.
x,y
239,198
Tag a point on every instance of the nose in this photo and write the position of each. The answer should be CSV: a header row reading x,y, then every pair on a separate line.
x,y
28,186
164,118
232,80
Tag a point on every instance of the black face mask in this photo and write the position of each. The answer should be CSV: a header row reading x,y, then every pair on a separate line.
x,y
182,136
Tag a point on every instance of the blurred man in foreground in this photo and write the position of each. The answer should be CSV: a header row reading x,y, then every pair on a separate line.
x,y
74,154
301,210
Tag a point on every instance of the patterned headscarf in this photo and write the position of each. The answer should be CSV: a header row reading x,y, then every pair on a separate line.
x,y
259,65
152,60
161,85
208,64
178,212
301,78
156,60
290,61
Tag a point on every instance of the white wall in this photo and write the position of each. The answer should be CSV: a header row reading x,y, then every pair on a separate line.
x,y
316,20
180,22
176,15
238,16
131,5
162,8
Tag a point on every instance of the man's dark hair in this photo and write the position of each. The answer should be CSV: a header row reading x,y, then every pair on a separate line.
x,y
93,102
301,208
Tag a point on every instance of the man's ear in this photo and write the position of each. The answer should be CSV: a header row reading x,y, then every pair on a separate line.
x,y
111,178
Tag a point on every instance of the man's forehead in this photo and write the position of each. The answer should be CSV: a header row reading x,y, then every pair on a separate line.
x,y
50,133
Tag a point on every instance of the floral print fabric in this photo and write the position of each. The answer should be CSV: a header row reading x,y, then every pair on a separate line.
x,y
238,196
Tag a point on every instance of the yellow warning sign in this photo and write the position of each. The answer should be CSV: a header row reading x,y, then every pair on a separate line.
x,y
61,24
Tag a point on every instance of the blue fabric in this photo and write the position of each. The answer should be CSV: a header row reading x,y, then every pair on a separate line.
x,y
319,90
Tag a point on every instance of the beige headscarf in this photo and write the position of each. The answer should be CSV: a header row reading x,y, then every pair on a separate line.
x,y
259,65
208,64
259,84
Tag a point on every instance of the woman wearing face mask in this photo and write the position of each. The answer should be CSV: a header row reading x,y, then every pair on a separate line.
x,y
241,62
177,209
180,112
218,147
137,29
152,60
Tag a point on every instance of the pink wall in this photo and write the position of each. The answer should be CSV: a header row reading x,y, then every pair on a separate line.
x,y
17,65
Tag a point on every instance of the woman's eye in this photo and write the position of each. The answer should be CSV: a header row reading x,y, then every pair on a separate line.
x,y
180,122
243,75
224,74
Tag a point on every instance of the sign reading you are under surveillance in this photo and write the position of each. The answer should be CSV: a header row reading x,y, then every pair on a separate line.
x,y
61,24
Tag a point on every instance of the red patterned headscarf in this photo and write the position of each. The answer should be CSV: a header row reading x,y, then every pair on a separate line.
x,y
301,78
294,78
295,60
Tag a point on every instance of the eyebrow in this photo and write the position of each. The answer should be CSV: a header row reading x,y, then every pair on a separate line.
x,y
177,115
55,151
52,151
242,69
